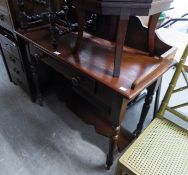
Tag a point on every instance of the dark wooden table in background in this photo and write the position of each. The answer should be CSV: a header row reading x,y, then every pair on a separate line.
x,y
123,10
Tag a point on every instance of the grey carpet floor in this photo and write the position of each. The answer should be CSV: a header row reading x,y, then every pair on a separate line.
x,y
50,140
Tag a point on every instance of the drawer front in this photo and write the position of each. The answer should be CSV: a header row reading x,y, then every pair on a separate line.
x,y
16,79
16,71
19,77
13,62
20,81
78,79
5,20
9,45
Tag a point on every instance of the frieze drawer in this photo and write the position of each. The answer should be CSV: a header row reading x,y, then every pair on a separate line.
x,y
78,79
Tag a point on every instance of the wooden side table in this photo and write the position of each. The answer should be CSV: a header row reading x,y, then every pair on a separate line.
x,y
90,72
123,9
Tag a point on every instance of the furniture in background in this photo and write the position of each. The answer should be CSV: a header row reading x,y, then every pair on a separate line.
x,y
123,10
176,39
18,66
174,20
10,50
163,147
57,13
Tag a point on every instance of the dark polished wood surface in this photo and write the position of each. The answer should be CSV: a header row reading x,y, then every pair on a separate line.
x,y
91,72
93,93
96,60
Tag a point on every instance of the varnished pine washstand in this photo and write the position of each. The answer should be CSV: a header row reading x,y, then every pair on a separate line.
x,y
91,74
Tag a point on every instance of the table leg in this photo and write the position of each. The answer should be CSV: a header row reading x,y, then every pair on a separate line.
x,y
122,28
22,14
148,100
112,147
119,106
157,98
53,28
34,65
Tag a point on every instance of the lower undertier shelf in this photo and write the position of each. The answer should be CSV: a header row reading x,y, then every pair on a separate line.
x,y
93,116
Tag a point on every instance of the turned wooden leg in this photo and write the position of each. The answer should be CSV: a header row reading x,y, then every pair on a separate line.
x,y
112,147
157,99
22,14
54,33
121,33
53,28
148,100
119,106
81,23
34,71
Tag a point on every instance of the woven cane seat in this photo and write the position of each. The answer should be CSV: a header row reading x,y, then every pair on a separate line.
x,y
162,149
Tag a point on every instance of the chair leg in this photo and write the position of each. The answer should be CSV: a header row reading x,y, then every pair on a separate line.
x,y
122,28
81,23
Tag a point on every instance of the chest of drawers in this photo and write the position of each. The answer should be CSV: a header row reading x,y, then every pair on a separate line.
x,y
12,58
16,61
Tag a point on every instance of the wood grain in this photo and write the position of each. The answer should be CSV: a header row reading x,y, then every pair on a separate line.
x,y
96,60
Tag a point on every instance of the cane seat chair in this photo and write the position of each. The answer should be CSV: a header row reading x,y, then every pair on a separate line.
x,y
162,148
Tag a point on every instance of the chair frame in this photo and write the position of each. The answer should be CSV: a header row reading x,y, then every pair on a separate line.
x,y
124,168
171,90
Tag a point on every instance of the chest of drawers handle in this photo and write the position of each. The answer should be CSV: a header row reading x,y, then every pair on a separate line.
x,y
16,71
12,59
2,17
75,81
